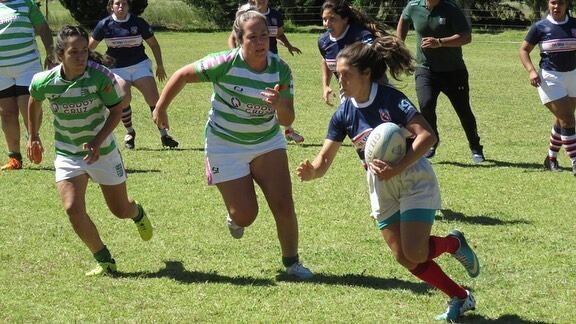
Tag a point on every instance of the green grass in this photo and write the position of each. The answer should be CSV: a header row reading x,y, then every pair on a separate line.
x,y
519,218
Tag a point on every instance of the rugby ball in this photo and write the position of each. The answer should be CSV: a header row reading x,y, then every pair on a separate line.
x,y
386,142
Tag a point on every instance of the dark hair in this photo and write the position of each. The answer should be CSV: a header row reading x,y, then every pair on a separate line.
x,y
111,3
245,13
388,52
344,10
68,31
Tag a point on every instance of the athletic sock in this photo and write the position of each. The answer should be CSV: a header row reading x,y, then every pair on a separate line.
x,y
555,142
127,119
288,261
104,255
163,131
438,245
569,141
431,273
15,155
140,214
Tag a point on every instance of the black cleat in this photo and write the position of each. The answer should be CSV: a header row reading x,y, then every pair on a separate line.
x,y
168,141
478,155
552,165
129,139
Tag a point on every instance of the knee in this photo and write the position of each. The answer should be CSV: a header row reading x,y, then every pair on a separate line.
x,y
244,217
283,209
75,212
415,255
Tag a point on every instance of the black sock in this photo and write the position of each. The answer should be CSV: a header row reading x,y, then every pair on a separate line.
x,y
140,214
288,261
15,155
104,256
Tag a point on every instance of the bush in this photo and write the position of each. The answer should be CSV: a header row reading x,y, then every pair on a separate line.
x,y
89,12
221,12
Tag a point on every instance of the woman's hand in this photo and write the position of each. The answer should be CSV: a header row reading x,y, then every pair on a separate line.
x,y
306,171
34,150
327,94
160,118
383,170
271,96
93,152
160,73
534,78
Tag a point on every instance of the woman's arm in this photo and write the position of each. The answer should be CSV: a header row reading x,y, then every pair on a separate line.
x,y
157,52
307,170
175,84
282,39
92,44
524,54
93,147
43,30
326,78
34,122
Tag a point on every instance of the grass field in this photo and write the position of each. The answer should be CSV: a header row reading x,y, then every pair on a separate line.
x,y
519,218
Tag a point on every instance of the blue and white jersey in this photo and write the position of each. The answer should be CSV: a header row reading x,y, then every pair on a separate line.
x,y
275,21
330,47
557,42
385,104
124,38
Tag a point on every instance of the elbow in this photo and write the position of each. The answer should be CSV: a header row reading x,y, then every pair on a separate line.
x,y
466,39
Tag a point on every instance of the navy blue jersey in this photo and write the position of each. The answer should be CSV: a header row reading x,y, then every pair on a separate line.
x,y
385,104
124,38
557,42
275,21
330,47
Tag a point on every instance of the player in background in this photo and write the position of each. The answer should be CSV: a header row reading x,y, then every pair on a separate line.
x,y
441,31
86,101
123,34
19,60
556,81
276,32
404,196
253,95
344,26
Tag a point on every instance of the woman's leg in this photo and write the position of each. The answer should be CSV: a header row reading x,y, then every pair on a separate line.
x,y
563,110
240,200
11,128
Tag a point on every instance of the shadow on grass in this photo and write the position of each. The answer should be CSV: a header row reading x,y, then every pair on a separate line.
x,y
316,144
360,280
44,168
506,318
175,270
449,214
142,171
489,163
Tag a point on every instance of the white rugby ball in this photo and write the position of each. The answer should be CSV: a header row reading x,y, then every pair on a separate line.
x,y
386,142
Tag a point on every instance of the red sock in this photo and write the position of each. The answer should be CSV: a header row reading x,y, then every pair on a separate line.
x,y
438,245
431,273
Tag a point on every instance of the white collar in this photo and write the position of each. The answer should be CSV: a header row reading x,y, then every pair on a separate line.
x,y
550,19
341,36
121,20
373,91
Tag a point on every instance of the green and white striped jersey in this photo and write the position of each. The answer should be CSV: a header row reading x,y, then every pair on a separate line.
x,y
79,106
238,112
17,42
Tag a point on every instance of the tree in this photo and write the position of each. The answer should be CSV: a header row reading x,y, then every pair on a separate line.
x,y
89,12
221,12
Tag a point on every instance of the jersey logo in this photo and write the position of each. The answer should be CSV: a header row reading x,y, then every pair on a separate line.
x,y
134,30
405,105
573,31
385,115
359,141
239,89
235,102
54,107
442,21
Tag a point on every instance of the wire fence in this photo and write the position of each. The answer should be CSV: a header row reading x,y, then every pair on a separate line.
x,y
497,17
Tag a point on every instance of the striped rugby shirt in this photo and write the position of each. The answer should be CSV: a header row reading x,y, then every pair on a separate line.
x,y
17,42
79,106
238,112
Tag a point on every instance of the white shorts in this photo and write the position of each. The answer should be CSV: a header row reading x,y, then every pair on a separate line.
x,y
414,188
134,72
19,75
556,85
107,170
227,161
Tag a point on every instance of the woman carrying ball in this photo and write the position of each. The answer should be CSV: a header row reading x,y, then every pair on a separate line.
x,y
86,101
405,195
253,96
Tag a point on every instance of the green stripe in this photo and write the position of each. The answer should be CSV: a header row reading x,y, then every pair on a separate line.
x,y
238,120
73,130
77,141
65,116
18,46
248,138
103,151
20,63
15,36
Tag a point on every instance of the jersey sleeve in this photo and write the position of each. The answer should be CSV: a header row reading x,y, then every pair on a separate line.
x,y
98,32
144,28
407,12
320,48
459,22
336,127
211,67
533,37
110,91
405,109
280,19
35,87
36,17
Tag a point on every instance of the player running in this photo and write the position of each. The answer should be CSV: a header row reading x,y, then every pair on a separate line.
x,y
404,196
86,101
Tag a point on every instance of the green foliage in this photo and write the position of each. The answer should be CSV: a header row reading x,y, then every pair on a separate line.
x,y
89,12
221,12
